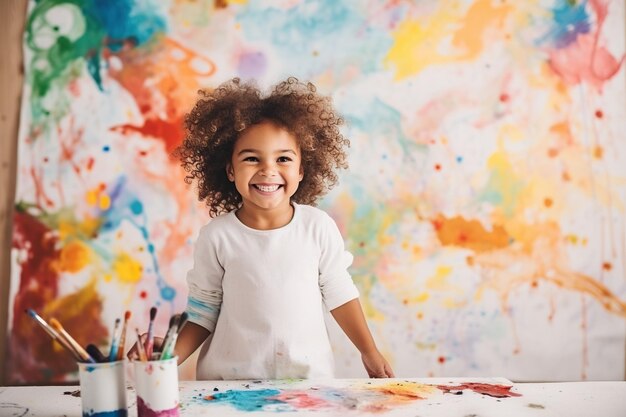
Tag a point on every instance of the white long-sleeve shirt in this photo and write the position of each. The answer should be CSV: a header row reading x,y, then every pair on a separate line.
x,y
261,293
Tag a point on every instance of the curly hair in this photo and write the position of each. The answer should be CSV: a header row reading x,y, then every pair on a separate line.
x,y
220,116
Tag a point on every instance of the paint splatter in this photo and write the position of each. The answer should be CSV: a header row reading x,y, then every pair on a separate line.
x,y
497,391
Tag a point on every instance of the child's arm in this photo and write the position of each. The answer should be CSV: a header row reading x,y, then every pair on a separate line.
x,y
350,318
189,339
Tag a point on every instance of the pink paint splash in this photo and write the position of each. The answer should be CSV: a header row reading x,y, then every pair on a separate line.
x,y
584,60
301,400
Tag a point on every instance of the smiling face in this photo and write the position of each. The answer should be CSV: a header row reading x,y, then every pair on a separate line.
x,y
266,169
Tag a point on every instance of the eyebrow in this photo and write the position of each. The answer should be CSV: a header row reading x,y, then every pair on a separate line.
x,y
256,151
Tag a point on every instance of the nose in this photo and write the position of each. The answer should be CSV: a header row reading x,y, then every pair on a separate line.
x,y
268,169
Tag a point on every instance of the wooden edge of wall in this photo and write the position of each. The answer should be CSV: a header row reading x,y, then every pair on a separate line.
x,y
12,20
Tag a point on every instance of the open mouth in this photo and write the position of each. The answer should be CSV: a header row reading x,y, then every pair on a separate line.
x,y
267,188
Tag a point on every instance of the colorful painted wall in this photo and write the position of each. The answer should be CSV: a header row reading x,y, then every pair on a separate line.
x,y
484,204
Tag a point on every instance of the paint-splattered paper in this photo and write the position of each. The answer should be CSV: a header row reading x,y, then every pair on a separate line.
x,y
484,204
381,397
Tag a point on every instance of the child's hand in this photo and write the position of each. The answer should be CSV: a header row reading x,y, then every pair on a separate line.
x,y
376,365
133,353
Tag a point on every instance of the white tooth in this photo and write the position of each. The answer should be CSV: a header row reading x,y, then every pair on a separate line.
x,y
267,188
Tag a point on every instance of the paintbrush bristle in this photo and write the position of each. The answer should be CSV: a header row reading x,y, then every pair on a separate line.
x,y
153,312
127,315
183,319
55,324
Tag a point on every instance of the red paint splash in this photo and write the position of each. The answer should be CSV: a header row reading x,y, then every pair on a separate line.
x,y
32,356
28,345
497,391
170,131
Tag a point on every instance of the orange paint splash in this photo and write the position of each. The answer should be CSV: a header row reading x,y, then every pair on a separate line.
x,y
469,234
175,70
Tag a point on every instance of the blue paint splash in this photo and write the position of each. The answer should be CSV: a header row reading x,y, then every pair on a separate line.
x,y
322,31
253,400
127,207
568,21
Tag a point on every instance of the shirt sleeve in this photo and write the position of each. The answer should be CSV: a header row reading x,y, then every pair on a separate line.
x,y
334,280
205,283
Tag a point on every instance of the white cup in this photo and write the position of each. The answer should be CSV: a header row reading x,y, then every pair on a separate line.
x,y
103,389
156,384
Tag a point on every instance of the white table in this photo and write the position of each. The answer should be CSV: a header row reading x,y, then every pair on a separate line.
x,y
351,397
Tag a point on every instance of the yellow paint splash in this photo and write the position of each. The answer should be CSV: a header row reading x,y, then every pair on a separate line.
x,y
80,314
85,302
420,298
401,392
438,281
127,269
417,43
97,197
503,181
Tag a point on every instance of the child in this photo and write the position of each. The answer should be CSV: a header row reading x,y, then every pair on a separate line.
x,y
268,262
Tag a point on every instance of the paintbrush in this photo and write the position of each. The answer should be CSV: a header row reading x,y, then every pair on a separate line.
x,y
120,351
172,328
114,341
75,345
95,353
53,333
168,348
140,348
150,340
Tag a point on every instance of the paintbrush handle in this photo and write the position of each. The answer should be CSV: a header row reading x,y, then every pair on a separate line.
x,y
114,342
169,349
120,351
54,334
149,342
140,347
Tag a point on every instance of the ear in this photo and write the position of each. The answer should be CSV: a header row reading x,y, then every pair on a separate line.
x,y
230,173
301,176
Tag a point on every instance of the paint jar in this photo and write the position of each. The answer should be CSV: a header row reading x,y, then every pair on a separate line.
x,y
156,384
103,389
